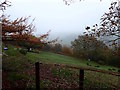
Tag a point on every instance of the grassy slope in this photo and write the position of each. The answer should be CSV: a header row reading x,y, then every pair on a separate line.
x,y
15,67
17,64
48,57
95,78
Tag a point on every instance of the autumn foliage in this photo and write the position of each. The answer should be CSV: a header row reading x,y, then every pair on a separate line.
x,y
19,30
67,50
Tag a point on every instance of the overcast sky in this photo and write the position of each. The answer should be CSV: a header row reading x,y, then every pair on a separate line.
x,y
61,19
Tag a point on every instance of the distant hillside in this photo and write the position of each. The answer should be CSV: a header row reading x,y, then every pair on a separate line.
x,y
66,38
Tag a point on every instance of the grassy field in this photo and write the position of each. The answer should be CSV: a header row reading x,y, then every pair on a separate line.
x,y
19,68
48,57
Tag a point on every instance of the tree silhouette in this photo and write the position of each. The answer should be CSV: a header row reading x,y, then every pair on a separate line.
x,y
4,4
109,26
87,47
110,23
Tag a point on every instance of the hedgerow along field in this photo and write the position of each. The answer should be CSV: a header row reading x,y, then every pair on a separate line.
x,y
18,70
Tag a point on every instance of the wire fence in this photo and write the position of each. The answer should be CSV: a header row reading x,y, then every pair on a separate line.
x,y
63,76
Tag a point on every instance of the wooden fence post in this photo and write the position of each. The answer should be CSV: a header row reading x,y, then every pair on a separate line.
x,y
81,79
37,69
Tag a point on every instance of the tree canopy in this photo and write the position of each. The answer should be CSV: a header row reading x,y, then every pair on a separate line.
x,y
87,47
109,26
87,43
21,30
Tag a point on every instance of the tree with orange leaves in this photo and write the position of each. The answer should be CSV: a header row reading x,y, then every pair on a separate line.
x,y
21,32
17,29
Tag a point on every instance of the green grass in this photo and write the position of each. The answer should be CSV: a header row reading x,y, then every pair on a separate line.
x,y
48,57
45,83
98,79
13,76
12,51
65,73
16,63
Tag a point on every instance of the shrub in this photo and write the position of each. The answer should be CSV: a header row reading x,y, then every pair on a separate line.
x,y
110,69
97,66
23,51
101,62
57,48
67,50
47,47
35,51
112,59
113,69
